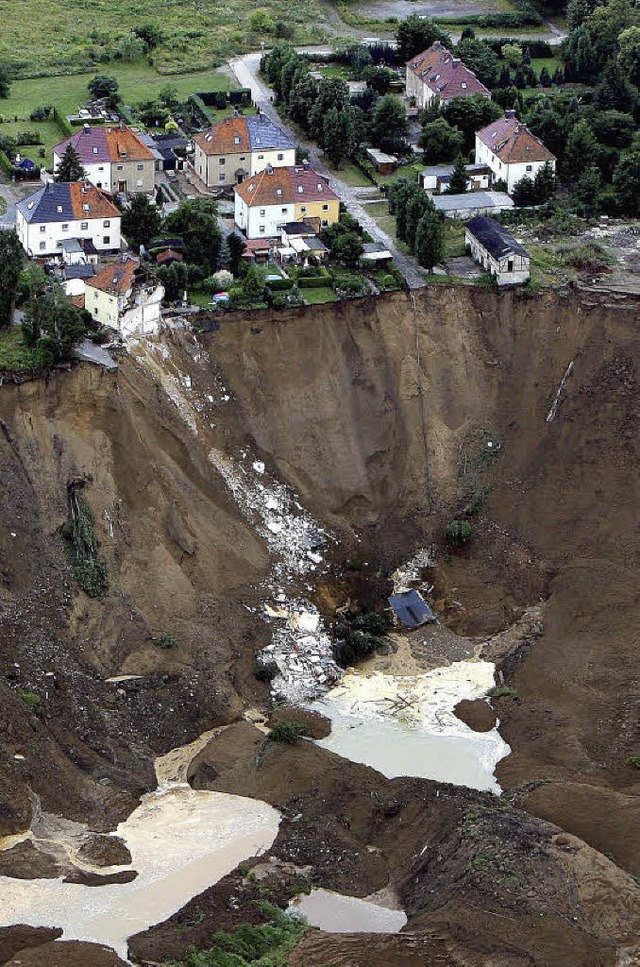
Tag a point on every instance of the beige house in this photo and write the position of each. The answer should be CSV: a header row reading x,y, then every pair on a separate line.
x,y
119,298
114,158
238,147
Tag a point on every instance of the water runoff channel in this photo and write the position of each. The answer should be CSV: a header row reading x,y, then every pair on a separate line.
x,y
183,840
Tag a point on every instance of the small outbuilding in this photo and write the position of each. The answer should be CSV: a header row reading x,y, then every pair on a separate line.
x,y
497,251
472,203
385,164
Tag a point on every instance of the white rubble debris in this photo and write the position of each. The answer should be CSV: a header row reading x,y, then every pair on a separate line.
x,y
408,575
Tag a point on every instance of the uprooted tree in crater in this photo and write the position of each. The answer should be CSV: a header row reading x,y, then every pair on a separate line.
x,y
81,543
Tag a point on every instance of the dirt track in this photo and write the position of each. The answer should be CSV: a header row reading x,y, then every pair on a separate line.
x,y
333,401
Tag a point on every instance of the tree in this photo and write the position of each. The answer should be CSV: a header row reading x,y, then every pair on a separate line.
x,y
302,97
140,221
236,245
400,191
102,86
11,259
629,53
512,54
197,222
338,135
418,205
253,284
378,79
524,192
481,59
262,22
581,150
416,34
545,184
587,191
131,48
151,35
459,178
388,122
347,248
614,92
440,141
175,279
614,128
626,184
470,114
70,167
429,243
545,78
6,77
333,93
53,326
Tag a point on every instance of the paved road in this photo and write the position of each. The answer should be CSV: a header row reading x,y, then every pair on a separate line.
x,y
246,70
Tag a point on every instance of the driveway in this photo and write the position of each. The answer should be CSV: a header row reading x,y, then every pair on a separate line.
x,y
246,71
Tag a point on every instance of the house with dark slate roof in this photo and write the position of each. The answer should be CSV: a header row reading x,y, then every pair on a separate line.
x,y
493,247
62,211
436,73
238,147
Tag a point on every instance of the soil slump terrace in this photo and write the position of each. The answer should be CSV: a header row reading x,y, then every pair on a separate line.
x,y
374,414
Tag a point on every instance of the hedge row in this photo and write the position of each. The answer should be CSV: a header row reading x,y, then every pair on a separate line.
x,y
280,285
313,282
202,107
5,163
62,123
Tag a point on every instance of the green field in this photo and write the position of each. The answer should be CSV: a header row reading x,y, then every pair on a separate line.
x,y
72,35
138,82
319,296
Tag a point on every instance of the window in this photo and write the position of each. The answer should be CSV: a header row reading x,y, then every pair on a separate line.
x,y
222,177
280,157
300,189
262,229
529,167
243,158
120,167
260,157
222,161
106,239
43,228
65,228
263,211
236,139
140,167
278,191
324,222
284,211
139,183
325,208
303,209
95,295
95,150
101,168
84,226
43,246
106,224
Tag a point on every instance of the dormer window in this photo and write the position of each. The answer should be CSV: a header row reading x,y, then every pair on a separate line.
x,y
464,85
278,191
95,150
319,186
59,208
300,189
236,140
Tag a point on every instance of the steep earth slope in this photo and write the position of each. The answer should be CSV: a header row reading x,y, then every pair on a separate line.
x,y
379,414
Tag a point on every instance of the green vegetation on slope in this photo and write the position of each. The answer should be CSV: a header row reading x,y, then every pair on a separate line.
x,y
266,945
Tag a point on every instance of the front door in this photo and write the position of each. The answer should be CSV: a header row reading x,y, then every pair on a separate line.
x,y
122,187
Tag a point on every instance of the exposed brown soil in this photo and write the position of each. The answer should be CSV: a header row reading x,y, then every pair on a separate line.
x,y
329,398
105,851
478,715
317,726
19,937
70,953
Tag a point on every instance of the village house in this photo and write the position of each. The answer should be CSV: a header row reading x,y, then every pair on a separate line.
x,y
511,151
119,297
436,178
238,147
436,73
60,212
114,158
267,201
493,247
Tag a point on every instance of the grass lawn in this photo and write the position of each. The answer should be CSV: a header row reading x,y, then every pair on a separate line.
x,y
551,63
198,297
14,355
378,209
351,175
138,82
3,205
410,171
453,238
59,38
319,296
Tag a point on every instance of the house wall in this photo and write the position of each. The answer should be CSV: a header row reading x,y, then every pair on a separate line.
x,y
42,239
327,211
415,87
138,175
521,266
102,306
511,173
145,316
216,174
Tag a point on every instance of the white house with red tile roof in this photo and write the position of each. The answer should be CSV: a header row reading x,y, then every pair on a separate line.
x,y
62,211
275,196
114,158
511,151
436,73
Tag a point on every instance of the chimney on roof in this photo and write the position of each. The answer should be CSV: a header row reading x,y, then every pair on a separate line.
x,y
455,61
510,113
86,128
305,164
121,125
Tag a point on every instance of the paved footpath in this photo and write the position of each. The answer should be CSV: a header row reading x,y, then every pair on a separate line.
x,y
246,71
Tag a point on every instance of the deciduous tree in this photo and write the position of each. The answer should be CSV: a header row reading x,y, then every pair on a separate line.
x,y
11,260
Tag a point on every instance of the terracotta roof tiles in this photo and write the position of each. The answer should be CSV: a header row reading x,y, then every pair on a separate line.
x,y
115,278
445,74
111,143
513,142
285,186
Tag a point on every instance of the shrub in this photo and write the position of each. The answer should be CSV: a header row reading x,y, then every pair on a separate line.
x,y
312,281
458,532
288,732
219,281
32,700
166,640
634,760
502,691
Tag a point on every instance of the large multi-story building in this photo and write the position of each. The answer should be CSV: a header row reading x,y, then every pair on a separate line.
x,y
114,158
238,147
436,73
67,210
267,201
511,151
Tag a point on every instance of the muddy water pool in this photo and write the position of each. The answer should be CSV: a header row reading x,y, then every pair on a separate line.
x,y
337,913
404,725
